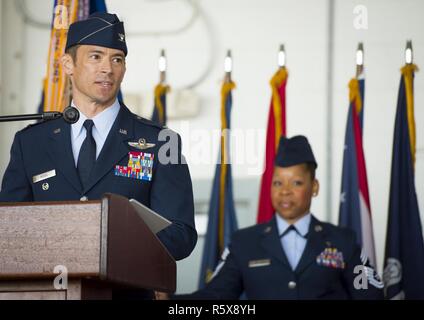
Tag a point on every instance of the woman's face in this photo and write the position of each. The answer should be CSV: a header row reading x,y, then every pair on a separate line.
x,y
292,190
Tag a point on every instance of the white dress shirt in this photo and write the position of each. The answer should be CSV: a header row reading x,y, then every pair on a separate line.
x,y
103,122
293,242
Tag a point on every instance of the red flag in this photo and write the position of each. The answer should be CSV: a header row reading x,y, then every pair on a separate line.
x,y
276,128
355,208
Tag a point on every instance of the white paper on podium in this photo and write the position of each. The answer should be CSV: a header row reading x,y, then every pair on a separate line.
x,y
154,221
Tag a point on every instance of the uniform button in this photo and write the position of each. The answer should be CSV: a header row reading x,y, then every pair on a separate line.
x,y
84,198
292,285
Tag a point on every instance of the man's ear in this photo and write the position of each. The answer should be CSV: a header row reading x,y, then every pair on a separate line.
x,y
315,187
68,64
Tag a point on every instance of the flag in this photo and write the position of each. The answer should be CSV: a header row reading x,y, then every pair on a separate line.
x,y
56,86
222,220
276,128
355,208
97,6
159,111
404,254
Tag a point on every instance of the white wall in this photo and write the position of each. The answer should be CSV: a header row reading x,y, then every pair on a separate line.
x,y
253,31
1,53
13,73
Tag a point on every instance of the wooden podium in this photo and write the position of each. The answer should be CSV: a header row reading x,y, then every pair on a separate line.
x,y
103,244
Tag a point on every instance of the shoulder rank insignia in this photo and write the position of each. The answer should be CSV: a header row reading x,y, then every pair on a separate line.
x,y
141,144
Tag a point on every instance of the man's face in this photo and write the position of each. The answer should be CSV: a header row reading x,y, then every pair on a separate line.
x,y
96,74
292,189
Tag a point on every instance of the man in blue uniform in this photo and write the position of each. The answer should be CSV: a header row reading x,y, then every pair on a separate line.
x,y
294,256
109,149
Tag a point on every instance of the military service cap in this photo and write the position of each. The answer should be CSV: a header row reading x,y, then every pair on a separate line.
x,y
100,29
293,151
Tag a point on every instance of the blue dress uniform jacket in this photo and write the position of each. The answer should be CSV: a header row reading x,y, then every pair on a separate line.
x,y
47,146
256,265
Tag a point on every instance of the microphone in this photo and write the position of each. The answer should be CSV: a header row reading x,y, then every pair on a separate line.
x,y
70,115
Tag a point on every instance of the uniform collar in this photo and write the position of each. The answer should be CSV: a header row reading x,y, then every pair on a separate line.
x,y
102,122
301,225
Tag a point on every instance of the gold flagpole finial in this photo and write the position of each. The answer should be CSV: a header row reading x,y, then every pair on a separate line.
x,y
281,57
228,66
162,64
409,57
359,59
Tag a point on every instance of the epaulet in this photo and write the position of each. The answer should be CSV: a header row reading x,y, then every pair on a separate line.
x,y
32,125
150,123
143,120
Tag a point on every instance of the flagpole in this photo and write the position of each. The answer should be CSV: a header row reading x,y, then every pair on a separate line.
x,y
409,53
222,217
359,60
162,65
228,67
159,112
281,57
276,128
404,229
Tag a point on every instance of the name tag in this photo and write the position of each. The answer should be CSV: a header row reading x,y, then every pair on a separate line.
x,y
259,263
43,176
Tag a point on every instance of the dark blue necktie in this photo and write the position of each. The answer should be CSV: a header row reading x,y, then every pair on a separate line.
x,y
290,228
87,155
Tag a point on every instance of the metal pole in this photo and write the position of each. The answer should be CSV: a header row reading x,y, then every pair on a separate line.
x,y
228,66
329,114
359,60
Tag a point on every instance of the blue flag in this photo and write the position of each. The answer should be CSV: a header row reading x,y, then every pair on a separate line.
x,y
404,256
159,110
355,208
222,216
97,6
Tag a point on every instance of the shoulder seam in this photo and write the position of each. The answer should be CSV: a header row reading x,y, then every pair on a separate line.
x,y
36,124
148,122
